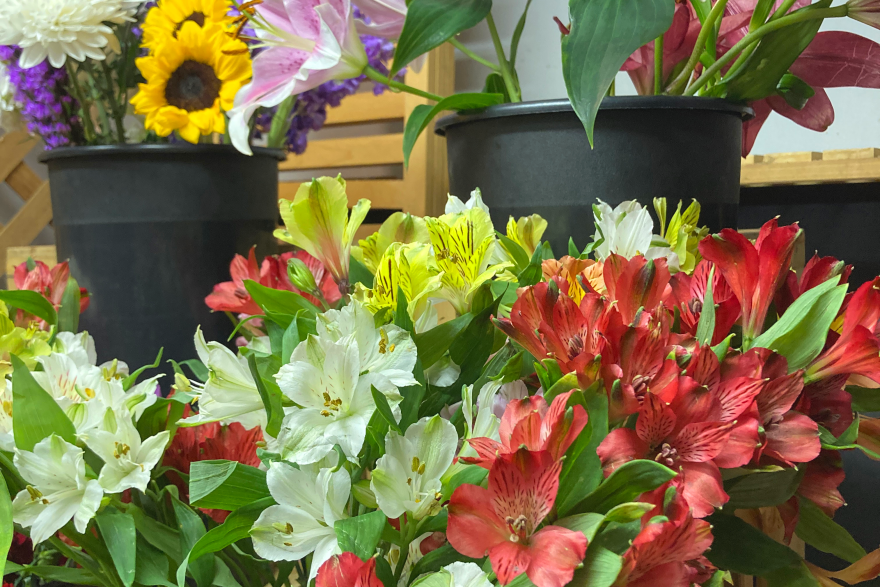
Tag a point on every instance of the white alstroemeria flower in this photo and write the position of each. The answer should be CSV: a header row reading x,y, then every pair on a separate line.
x,y
7,439
515,390
387,350
230,393
140,397
325,378
486,423
407,477
455,206
415,555
80,390
127,461
455,575
10,108
310,500
443,373
58,489
628,230
80,347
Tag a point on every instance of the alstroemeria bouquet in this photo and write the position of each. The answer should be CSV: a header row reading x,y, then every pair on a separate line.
x,y
759,52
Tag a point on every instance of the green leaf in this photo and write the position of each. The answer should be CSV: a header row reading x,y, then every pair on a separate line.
x,y
6,527
32,303
517,35
129,381
800,333
360,534
384,409
67,575
412,398
588,524
795,91
535,271
796,575
519,255
401,313
37,415
120,537
225,485
604,33
741,548
430,23
437,559
822,533
236,527
759,490
279,300
470,475
494,84
158,535
152,565
199,370
625,484
68,314
864,399
422,115
601,567
582,468
358,273
191,531
706,326
270,394
434,343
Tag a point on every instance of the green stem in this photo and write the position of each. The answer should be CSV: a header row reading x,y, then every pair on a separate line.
x,y
506,75
460,46
658,65
115,107
7,464
88,126
757,35
782,10
382,79
680,82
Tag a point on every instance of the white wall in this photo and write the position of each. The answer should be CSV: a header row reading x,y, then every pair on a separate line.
x,y
857,110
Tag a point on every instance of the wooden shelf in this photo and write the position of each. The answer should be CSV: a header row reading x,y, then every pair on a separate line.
x,y
811,167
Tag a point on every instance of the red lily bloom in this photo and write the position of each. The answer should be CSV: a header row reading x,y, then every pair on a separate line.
x,y
690,451
754,272
347,570
857,351
530,424
635,283
817,271
502,521
50,283
689,294
548,323
667,553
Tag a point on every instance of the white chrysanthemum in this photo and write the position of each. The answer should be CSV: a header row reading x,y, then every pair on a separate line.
x,y
10,118
59,29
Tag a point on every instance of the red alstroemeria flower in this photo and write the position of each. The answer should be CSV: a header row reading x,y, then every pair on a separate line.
x,y
502,521
530,424
688,294
582,275
754,272
347,570
824,475
50,283
635,283
689,451
817,271
666,553
828,403
548,323
857,351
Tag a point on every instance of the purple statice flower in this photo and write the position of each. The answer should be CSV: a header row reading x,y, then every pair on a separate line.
x,y
47,107
310,109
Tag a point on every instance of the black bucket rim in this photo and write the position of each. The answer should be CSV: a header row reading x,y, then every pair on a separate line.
x,y
151,149
609,103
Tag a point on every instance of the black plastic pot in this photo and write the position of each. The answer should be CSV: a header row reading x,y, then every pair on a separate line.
x,y
149,230
534,157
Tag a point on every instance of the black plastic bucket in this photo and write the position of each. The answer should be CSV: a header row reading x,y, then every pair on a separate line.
x,y
534,157
149,230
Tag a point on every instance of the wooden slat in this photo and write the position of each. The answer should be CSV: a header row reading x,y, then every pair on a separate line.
x,y
353,152
838,154
811,172
385,194
17,255
797,157
366,107
24,181
27,223
13,148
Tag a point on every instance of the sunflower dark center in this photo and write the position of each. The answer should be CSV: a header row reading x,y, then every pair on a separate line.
x,y
193,86
196,17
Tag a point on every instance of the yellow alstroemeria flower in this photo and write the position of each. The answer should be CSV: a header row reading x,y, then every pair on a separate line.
x,y
400,227
317,221
527,232
409,268
683,232
463,246
26,343
577,272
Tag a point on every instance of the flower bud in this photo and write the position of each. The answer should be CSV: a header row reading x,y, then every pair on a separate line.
x,y
300,276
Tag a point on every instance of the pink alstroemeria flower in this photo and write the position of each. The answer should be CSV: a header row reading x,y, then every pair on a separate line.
x,y
386,18
305,43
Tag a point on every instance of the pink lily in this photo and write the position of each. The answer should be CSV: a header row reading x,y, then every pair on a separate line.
x,y
385,17
306,43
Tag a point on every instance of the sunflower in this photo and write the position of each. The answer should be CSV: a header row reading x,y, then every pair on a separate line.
x,y
167,17
192,78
